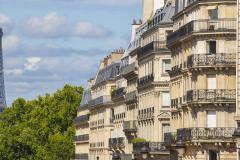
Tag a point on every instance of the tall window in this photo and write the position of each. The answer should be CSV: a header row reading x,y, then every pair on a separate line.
x,y
165,129
211,119
166,100
213,14
211,81
212,155
166,65
212,45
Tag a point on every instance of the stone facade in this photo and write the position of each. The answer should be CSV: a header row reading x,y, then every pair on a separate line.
x,y
203,76
172,91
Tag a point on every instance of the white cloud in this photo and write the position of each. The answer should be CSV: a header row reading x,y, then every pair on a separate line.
x,y
55,26
51,25
10,43
6,23
86,29
14,72
32,63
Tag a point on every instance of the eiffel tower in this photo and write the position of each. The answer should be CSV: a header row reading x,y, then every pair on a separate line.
x,y
2,86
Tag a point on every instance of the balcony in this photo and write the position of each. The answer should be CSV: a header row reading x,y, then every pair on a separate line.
x,y
176,103
81,138
118,93
211,96
205,134
212,60
145,80
153,146
205,26
81,120
144,116
153,47
83,156
116,142
129,69
131,97
100,101
176,70
130,126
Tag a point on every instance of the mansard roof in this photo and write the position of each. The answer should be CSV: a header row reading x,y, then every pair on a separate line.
x,y
86,98
108,73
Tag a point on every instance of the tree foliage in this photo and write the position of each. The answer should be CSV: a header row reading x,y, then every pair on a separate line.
x,y
40,129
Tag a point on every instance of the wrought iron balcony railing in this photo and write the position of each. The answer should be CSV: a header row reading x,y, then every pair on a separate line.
x,y
131,96
177,102
120,92
218,25
100,101
189,134
211,96
145,80
131,68
148,115
130,126
81,138
152,146
116,142
81,120
153,47
83,156
212,60
176,70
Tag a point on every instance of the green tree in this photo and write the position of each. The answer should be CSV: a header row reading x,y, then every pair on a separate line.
x,y
40,129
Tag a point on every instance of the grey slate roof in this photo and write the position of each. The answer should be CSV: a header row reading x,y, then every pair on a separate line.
x,y
108,73
164,14
86,98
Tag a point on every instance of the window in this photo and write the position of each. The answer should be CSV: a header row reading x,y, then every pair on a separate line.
x,y
212,81
212,155
166,65
211,119
165,129
166,100
212,47
213,13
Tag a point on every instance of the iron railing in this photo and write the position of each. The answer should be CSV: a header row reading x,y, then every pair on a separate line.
x,y
100,101
152,146
218,25
145,80
81,138
81,120
211,95
148,115
188,134
83,156
116,142
129,126
153,47
214,60
131,96
128,69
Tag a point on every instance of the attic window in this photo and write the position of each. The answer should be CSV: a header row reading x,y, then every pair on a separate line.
x,y
162,16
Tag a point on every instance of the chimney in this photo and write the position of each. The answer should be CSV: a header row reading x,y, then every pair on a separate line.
x,y
135,25
147,9
150,7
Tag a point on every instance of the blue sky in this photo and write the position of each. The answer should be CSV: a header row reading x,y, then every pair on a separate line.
x,y
49,43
